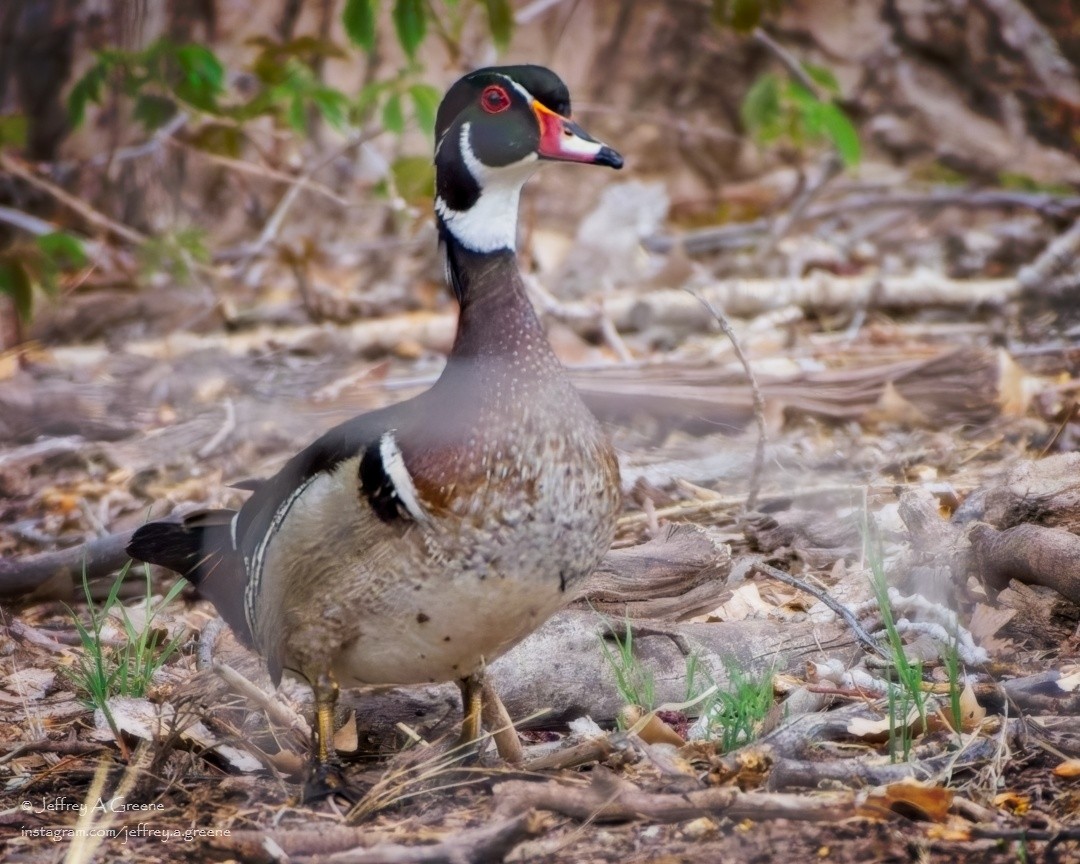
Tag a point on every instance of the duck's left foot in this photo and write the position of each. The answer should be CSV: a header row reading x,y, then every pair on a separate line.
x,y
326,780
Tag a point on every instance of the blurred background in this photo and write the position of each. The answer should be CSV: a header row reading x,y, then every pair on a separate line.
x,y
216,235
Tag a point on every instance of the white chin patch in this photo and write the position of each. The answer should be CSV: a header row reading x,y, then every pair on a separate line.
x,y
491,223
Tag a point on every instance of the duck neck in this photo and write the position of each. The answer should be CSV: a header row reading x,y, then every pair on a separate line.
x,y
497,320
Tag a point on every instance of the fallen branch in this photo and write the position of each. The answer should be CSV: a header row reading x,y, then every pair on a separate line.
x,y
1031,554
610,799
476,846
97,558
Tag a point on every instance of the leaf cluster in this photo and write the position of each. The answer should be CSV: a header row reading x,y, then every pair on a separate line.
x,y
779,110
38,265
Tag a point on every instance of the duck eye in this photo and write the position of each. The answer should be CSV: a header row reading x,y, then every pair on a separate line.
x,y
494,99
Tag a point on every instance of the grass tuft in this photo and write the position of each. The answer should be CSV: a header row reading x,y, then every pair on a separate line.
x,y
125,667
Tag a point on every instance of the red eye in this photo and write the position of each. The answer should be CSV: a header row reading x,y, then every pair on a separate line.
x,y
494,99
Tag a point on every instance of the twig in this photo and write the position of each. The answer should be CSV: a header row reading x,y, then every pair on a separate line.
x,y
274,708
20,170
1059,257
137,151
277,218
823,596
759,400
790,62
228,426
263,171
831,167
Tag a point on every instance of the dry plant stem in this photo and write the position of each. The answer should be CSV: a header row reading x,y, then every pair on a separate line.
x,y
759,401
275,709
242,167
845,613
612,800
477,846
20,170
1059,257
831,166
496,720
277,219
790,62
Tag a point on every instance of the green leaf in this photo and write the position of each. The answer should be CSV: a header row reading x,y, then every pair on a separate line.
x,y
426,104
410,22
153,111
12,130
202,65
360,19
15,281
414,178
332,104
823,77
841,131
218,138
393,118
64,250
500,22
87,89
761,107
746,15
295,115
720,12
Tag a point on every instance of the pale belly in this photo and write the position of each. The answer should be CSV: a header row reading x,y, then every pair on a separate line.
x,y
386,604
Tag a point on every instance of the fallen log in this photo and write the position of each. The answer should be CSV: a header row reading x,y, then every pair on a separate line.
x,y
1029,553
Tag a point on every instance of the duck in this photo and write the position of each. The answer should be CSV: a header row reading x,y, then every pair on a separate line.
x,y
416,543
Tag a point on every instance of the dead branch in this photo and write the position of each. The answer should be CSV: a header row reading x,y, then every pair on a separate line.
x,y
841,610
812,773
1051,269
94,217
1046,692
476,846
1029,553
99,557
611,799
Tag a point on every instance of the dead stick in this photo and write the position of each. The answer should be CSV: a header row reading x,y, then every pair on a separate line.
x,y
823,596
626,803
96,559
759,400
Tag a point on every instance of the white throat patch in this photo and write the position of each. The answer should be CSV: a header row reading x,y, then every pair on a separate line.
x,y
491,223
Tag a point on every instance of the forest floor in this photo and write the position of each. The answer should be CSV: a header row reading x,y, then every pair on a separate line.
x,y
927,412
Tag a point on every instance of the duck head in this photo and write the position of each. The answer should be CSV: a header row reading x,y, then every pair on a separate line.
x,y
494,128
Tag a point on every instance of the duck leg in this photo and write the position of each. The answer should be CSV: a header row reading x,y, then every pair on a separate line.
x,y
325,776
471,702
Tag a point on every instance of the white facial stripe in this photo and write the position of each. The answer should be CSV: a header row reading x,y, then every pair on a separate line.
x,y
528,96
393,464
491,223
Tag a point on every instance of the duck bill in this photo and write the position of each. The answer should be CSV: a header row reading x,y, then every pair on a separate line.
x,y
562,140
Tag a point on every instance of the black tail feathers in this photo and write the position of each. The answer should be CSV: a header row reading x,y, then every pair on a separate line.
x,y
200,549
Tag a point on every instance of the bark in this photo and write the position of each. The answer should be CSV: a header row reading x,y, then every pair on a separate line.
x,y
1029,553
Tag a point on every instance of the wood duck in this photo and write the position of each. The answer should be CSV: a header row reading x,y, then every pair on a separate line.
x,y
417,542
